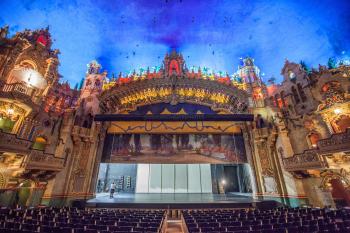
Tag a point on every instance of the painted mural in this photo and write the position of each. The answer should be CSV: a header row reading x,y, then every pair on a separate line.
x,y
175,148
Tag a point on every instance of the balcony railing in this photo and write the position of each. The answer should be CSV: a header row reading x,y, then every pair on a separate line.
x,y
19,91
39,160
34,159
309,159
339,142
11,143
314,159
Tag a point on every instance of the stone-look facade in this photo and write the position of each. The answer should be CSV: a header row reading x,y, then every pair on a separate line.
x,y
50,146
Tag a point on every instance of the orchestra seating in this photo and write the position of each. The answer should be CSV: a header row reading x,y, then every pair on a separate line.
x,y
72,220
283,220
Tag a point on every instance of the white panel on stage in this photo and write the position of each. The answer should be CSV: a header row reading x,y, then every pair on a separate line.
x,y
206,178
180,178
155,178
173,178
194,179
142,178
168,176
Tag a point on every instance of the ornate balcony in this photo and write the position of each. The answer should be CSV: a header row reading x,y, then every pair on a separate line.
x,y
11,143
339,142
39,160
315,158
309,159
21,92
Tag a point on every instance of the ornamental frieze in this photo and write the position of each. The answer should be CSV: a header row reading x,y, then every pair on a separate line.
x,y
174,90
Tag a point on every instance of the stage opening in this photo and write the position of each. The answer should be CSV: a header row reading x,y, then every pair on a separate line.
x,y
175,178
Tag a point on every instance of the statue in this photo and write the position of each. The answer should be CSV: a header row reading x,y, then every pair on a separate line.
x,y
4,32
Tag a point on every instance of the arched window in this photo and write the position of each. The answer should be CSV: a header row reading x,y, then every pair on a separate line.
x,y
273,101
284,100
301,92
313,138
39,143
278,100
295,95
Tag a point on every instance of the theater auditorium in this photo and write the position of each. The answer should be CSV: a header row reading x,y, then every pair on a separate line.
x,y
170,148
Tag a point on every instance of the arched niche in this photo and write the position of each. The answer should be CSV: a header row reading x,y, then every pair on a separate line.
x,y
40,143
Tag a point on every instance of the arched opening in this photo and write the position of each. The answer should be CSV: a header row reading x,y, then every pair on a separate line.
x,y
295,95
283,98
341,123
273,101
174,67
39,143
10,117
301,92
313,139
279,100
26,77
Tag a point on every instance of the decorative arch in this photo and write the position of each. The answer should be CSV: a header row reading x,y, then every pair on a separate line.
x,y
174,66
28,64
331,175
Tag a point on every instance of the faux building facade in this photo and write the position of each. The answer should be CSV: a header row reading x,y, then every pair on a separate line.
x,y
50,146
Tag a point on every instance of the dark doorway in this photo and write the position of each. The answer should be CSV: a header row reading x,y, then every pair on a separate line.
x,y
230,179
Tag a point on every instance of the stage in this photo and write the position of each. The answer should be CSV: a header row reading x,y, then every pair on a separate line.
x,y
175,201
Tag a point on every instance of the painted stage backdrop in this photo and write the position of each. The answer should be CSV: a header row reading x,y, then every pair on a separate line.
x,y
174,148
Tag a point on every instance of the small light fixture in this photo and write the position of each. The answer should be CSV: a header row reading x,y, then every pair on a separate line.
x,y
223,181
337,111
10,111
314,145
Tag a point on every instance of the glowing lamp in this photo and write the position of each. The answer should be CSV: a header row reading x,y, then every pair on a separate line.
x,y
223,182
337,111
10,111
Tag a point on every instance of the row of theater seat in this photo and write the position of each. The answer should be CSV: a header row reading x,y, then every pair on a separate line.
x,y
72,220
284,220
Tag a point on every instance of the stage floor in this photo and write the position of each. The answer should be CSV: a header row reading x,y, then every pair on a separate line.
x,y
172,201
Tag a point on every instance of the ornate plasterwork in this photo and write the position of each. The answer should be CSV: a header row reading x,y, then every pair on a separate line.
x,y
2,180
175,89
